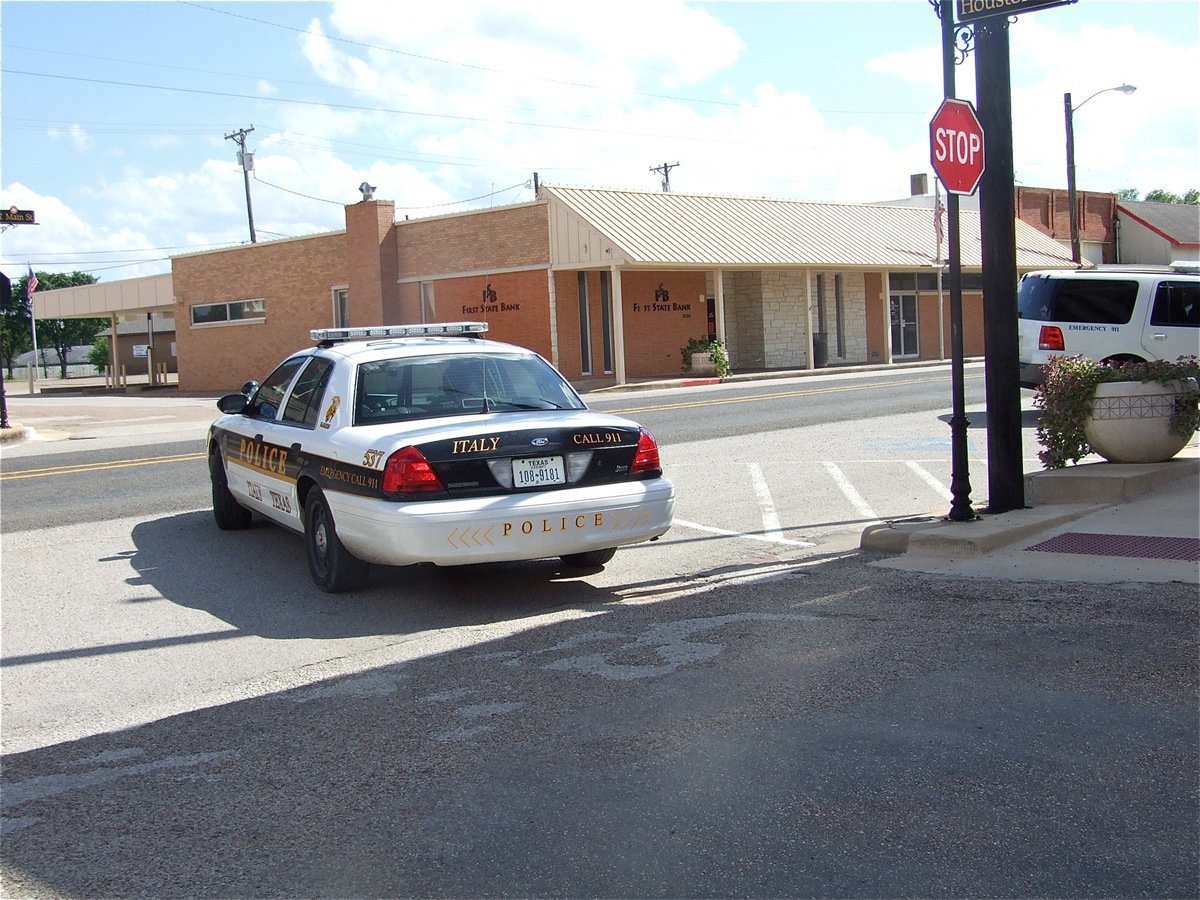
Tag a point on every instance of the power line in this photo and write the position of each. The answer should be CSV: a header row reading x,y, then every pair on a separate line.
x,y
464,65
383,109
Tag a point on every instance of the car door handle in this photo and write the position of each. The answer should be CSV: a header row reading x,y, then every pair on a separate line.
x,y
1158,337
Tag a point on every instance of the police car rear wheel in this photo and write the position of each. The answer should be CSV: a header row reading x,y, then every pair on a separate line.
x,y
333,568
592,559
230,515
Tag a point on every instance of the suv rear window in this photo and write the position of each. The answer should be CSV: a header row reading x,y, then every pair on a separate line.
x,y
1049,299
1177,303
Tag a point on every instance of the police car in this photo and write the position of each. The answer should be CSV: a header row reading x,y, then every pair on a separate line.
x,y
412,444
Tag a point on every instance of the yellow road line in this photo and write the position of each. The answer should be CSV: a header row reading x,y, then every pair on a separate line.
x,y
99,467
664,407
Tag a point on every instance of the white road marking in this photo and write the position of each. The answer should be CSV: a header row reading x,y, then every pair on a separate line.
x,y
766,503
696,526
925,475
856,499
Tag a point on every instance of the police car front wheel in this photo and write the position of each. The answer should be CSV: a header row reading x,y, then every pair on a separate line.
x,y
230,515
334,569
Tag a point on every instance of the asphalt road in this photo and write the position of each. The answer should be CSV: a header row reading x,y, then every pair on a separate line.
x,y
90,479
829,730
745,708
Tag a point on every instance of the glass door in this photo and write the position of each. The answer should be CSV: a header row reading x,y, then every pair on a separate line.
x,y
904,325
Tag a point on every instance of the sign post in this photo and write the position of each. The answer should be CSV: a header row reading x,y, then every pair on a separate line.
x,y
956,151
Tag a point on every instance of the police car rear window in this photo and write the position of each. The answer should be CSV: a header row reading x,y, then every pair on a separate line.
x,y
1104,301
393,390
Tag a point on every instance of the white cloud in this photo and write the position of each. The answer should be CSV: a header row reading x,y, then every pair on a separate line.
x,y
75,134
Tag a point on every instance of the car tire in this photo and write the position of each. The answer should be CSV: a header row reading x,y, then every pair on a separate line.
x,y
230,515
334,569
592,559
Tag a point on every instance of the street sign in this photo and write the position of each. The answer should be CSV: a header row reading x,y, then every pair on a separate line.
x,y
970,10
14,216
956,146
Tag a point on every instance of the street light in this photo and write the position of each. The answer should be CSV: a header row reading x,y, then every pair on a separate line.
x,y
1076,256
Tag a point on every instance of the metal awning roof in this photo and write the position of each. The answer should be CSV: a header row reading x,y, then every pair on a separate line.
x,y
667,230
131,296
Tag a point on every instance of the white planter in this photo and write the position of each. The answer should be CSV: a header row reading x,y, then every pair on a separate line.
x,y
1130,421
702,364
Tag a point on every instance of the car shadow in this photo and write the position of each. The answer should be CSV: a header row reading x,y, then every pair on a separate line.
x,y
258,582
979,418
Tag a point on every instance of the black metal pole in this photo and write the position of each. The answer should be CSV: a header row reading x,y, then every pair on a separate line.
x,y
5,302
1006,478
1076,255
960,475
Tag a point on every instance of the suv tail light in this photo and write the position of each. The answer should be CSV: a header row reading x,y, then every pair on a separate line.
x,y
407,471
645,460
1050,338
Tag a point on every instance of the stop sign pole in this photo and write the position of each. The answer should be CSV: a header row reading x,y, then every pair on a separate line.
x,y
944,139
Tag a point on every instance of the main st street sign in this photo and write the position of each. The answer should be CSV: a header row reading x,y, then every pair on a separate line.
x,y
970,10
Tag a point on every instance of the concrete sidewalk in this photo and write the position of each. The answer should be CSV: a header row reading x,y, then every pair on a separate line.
x,y
1097,522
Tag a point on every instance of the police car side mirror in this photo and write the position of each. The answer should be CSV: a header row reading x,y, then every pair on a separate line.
x,y
249,388
232,404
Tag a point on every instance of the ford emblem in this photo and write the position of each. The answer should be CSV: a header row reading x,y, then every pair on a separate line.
x,y
540,442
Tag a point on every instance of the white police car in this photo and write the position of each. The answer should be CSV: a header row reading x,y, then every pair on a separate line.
x,y
428,444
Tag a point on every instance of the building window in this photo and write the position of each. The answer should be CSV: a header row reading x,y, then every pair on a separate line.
x,y
428,306
235,312
341,307
585,327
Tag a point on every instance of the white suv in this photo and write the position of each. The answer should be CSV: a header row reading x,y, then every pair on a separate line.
x,y
1110,315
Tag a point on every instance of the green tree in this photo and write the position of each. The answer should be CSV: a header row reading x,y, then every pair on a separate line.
x,y
57,334
1159,195
98,355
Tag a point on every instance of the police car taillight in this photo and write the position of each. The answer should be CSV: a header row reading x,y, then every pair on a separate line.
x,y
645,460
407,471
1050,338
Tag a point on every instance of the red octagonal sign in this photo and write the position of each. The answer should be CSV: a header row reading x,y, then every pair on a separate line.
x,y
956,146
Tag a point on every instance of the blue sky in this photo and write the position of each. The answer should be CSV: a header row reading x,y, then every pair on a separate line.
x,y
114,115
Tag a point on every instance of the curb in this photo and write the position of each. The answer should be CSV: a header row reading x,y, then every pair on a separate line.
x,y
975,538
1107,483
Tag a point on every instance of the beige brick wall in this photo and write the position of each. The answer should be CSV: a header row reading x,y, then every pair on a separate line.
x,y
295,277
473,242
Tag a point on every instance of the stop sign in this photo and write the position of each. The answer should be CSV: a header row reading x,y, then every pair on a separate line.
x,y
956,146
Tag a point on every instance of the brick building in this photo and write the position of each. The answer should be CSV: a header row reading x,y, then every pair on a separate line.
x,y
608,285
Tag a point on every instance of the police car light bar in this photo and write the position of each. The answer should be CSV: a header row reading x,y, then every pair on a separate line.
x,y
393,331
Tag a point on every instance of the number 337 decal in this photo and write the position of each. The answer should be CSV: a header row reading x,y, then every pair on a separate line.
x,y
372,459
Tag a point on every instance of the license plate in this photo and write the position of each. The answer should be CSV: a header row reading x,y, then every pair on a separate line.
x,y
537,471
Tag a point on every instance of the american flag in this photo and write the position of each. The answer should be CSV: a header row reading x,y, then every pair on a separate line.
x,y
938,211
31,285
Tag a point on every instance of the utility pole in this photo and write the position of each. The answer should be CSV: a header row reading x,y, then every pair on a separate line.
x,y
247,162
665,171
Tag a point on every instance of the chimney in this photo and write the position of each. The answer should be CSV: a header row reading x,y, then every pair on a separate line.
x,y
918,185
